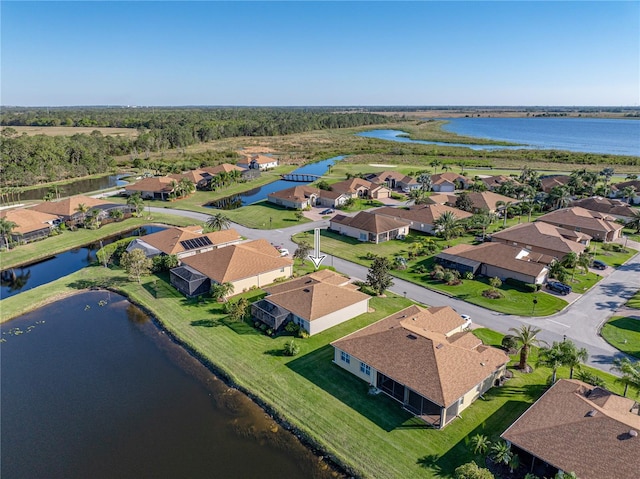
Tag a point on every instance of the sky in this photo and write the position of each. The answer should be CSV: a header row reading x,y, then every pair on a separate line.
x,y
328,53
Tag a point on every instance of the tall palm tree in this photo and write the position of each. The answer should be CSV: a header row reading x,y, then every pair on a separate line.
x,y
552,357
220,291
218,222
481,220
560,197
630,371
435,163
574,357
425,181
136,202
607,173
526,338
634,222
6,227
506,205
82,209
629,192
447,225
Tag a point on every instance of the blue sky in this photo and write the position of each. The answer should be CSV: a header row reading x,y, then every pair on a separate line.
x,y
320,53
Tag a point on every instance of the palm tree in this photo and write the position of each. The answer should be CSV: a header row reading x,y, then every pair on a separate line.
x,y
220,291
481,220
447,225
136,202
501,452
186,187
607,173
574,357
584,261
563,353
634,222
526,338
419,197
630,371
425,181
480,444
6,227
116,214
559,197
505,210
629,192
82,209
570,261
435,164
218,222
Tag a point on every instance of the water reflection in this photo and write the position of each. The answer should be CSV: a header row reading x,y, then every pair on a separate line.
x,y
78,187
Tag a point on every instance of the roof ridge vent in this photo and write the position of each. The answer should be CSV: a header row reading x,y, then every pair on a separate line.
x,y
412,336
633,433
591,413
439,346
306,290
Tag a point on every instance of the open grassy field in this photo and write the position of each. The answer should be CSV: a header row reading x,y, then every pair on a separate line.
x,y
31,252
73,130
369,434
623,333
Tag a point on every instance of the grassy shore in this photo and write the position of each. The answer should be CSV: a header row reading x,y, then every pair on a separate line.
x,y
31,252
371,436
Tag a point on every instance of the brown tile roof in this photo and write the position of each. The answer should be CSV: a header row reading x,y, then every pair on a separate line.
x,y
447,177
383,176
497,180
159,184
549,182
297,193
239,261
370,222
605,205
621,186
311,297
351,186
424,360
262,159
194,176
28,219
488,200
168,241
502,256
582,218
223,168
68,206
544,235
426,214
442,198
583,429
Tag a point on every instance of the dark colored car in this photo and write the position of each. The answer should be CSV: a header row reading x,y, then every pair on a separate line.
x,y
559,287
597,264
327,211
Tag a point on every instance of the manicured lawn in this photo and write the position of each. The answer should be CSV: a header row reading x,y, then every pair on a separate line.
x,y
583,281
359,205
513,302
623,333
31,252
371,434
634,302
611,258
263,216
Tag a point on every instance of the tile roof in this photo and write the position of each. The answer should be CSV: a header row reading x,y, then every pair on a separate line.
x,y
351,186
426,214
582,218
238,261
442,198
263,160
583,429
621,186
488,200
544,235
168,241
312,297
383,176
223,168
549,182
497,180
298,193
68,206
28,219
419,355
194,176
160,184
447,177
503,256
370,222
605,205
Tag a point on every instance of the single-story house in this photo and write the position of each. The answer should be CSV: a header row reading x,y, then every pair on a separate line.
x,y
442,199
617,190
298,197
421,217
370,227
258,162
579,428
394,180
184,242
67,208
197,177
31,224
599,226
359,188
245,265
488,201
222,168
152,188
423,359
494,182
616,208
497,260
332,199
314,302
544,238
448,182
547,183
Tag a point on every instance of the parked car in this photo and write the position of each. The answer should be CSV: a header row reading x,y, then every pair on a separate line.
x,y
559,287
597,264
283,251
328,211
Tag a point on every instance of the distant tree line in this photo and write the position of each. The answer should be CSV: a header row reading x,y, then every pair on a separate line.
x,y
30,160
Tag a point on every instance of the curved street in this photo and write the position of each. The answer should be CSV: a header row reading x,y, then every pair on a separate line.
x,y
580,321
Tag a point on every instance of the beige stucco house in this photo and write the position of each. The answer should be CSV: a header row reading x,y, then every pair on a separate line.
x,y
184,242
297,197
371,227
423,359
422,217
599,226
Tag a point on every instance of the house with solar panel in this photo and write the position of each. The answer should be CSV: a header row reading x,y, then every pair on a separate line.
x,y
184,242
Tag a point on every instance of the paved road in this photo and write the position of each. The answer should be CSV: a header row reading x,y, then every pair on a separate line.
x,y
580,322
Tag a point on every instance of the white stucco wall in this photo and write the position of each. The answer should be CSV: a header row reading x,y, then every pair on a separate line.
x,y
333,319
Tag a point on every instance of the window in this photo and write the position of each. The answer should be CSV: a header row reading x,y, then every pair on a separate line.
x,y
345,357
365,368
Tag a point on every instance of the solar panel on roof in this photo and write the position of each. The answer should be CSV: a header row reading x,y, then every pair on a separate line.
x,y
194,243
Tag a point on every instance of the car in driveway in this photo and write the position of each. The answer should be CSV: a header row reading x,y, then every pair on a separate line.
x,y
328,211
597,264
559,287
467,320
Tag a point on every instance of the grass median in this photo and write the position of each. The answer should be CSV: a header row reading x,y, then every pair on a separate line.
x,y
623,333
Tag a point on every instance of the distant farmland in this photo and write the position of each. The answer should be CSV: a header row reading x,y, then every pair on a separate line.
x,y
72,130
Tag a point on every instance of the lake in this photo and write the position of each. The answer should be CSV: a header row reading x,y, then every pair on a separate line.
x,y
258,194
91,388
77,187
15,280
590,135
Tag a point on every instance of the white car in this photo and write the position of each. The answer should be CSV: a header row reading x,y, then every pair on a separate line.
x,y
467,320
283,251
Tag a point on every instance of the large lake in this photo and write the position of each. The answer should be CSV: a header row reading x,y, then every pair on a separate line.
x,y
91,388
591,135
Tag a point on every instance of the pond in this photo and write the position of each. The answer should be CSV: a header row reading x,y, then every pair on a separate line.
x,y
91,388
401,136
259,194
15,280
78,187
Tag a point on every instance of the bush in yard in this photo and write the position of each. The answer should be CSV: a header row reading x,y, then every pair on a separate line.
x,y
291,348
468,275
510,343
471,470
439,275
292,328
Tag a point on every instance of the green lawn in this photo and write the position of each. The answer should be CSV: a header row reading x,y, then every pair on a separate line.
x,y
612,258
67,240
581,281
514,301
263,215
371,435
634,301
623,333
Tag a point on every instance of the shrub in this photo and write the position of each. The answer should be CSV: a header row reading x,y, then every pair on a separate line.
x,y
291,348
492,294
439,275
468,275
292,328
303,334
471,470
509,342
